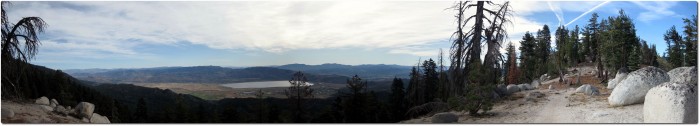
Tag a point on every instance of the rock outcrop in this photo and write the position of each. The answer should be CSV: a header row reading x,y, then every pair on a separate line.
x,y
588,90
501,89
621,75
84,109
97,118
524,87
535,84
512,88
671,102
633,88
42,101
444,117
684,75
53,103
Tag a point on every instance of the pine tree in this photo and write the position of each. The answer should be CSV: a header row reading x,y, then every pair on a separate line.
x,y
542,50
356,102
528,56
691,40
298,95
674,51
430,79
141,114
397,101
513,73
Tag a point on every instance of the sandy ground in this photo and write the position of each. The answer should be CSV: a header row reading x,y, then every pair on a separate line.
x,y
559,105
217,92
33,113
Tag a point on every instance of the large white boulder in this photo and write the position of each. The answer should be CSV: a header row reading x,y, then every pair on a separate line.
x,y
621,75
535,84
633,88
512,88
588,90
524,87
684,75
85,109
671,102
42,101
97,118
444,117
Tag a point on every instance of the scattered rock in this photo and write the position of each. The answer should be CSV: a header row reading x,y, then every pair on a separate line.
x,y
684,75
85,120
533,95
633,88
671,102
512,88
544,77
525,87
535,83
97,118
46,107
42,101
84,109
6,113
501,89
53,103
61,110
621,75
550,87
444,117
588,90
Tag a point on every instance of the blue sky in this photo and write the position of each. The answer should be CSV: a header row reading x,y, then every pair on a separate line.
x,y
260,33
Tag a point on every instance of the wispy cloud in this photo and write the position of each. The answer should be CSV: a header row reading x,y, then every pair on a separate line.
x,y
655,10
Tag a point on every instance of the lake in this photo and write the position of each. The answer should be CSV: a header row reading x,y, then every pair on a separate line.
x,y
261,84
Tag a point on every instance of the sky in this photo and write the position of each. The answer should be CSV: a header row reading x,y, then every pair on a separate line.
x,y
113,34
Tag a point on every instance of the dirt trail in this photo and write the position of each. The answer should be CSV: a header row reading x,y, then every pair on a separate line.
x,y
560,105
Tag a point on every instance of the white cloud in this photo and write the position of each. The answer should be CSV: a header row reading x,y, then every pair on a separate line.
x,y
655,10
118,28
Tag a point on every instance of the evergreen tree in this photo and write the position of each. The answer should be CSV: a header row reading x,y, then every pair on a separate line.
x,y
513,73
528,56
691,40
674,51
298,94
416,88
430,79
398,106
355,102
141,114
542,50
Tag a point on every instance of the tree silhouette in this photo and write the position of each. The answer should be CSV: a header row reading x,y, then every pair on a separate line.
x,y
298,94
466,52
20,43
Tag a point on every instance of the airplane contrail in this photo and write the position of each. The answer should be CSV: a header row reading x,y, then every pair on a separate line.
x,y
556,12
585,13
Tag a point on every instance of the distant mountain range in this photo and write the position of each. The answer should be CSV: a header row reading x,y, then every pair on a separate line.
x,y
199,74
326,73
376,71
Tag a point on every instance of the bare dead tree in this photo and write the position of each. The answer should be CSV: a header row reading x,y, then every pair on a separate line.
x,y
20,43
